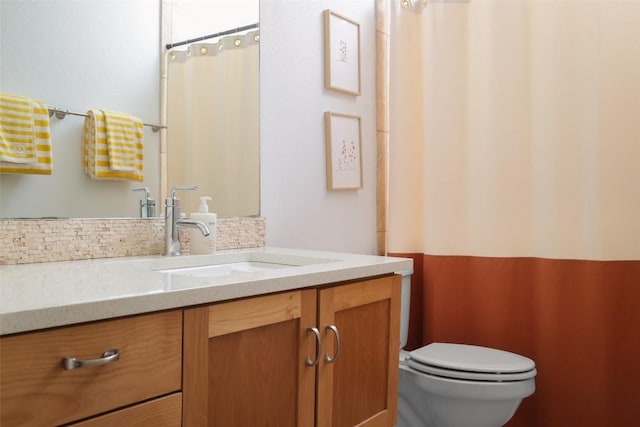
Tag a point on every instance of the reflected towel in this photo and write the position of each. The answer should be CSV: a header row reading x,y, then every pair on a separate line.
x,y
95,149
122,140
25,136
17,133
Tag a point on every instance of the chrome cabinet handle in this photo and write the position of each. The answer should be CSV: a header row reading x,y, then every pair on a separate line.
x,y
70,363
328,358
308,360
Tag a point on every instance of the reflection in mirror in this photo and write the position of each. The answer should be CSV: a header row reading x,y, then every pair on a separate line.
x,y
212,105
76,56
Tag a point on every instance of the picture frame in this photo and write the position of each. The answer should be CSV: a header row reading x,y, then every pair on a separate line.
x,y
341,53
343,135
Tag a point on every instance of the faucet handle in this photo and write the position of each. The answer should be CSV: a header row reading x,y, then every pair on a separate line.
x,y
145,189
182,187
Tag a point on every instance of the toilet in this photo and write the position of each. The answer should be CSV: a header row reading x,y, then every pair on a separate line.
x,y
458,385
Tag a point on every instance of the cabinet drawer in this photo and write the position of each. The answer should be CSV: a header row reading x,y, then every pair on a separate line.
x,y
162,412
35,389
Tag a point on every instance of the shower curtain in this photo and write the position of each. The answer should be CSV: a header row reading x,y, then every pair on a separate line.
x,y
213,135
515,187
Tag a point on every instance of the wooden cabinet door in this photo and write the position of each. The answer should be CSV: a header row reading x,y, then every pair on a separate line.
x,y
359,387
245,362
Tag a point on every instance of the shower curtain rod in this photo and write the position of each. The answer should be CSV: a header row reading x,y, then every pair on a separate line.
x,y
211,36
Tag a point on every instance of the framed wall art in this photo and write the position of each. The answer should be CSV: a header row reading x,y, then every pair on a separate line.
x,y
341,53
344,151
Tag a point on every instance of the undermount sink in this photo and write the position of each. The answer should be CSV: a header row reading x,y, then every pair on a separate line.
x,y
215,270
232,264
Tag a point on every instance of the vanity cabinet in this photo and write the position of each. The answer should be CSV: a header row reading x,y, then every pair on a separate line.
x,y
324,357
133,363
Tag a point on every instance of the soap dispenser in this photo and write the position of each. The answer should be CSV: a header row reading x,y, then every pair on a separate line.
x,y
201,245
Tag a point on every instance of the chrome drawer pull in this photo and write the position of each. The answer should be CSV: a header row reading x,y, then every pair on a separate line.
x,y
308,360
328,358
71,363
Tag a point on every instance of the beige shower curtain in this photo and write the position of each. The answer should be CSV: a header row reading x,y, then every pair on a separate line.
x,y
520,121
515,186
213,135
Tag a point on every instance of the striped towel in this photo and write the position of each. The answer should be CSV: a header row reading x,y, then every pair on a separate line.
x,y
121,140
17,132
25,136
121,158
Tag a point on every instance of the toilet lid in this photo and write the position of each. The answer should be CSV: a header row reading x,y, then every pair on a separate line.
x,y
471,362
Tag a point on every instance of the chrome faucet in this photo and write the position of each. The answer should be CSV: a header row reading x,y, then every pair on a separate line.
x,y
172,222
147,205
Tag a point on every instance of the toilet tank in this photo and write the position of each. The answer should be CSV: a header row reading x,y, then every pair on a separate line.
x,y
405,304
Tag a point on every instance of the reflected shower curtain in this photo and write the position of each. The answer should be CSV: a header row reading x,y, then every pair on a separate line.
x,y
515,186
213,135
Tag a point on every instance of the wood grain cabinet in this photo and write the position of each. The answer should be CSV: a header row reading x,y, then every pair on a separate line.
x,y
133,375
324,357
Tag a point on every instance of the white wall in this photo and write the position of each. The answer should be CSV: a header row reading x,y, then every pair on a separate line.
x,y
196,18
79,55
300,212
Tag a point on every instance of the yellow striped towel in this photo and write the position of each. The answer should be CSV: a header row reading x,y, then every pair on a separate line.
x,y
121,140
95,149
17,133
33,140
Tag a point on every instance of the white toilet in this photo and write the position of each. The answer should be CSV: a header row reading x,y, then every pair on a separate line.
x,y
457,385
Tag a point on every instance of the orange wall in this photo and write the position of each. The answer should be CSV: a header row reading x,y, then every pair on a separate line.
x,y
578,320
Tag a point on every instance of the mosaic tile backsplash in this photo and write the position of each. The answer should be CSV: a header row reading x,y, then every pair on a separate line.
x,y
42,240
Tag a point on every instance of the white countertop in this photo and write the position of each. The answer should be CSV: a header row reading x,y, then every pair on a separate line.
x,y
38,296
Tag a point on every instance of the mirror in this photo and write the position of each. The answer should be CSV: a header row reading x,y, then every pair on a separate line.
x,y
210,143
77,56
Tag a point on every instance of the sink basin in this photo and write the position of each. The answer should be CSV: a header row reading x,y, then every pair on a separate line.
x,y
224,265
216,270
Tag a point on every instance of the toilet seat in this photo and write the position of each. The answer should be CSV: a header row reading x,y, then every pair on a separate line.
x,y
471,363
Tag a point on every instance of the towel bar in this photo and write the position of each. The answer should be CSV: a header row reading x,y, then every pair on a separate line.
x,y
61,114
